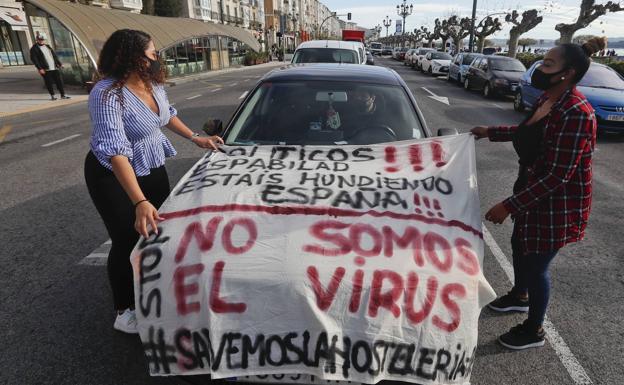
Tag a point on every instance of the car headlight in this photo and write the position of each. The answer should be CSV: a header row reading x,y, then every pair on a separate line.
x,y
501,82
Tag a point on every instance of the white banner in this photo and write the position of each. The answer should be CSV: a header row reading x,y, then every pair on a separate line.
x,y
342,263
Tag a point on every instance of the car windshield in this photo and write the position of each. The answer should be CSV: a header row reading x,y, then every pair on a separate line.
x,y
602,77
375,45
325,55
424,51
507,65
441,56
325,112
468,59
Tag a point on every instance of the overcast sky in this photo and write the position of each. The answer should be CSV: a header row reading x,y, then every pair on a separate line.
x,y
369,13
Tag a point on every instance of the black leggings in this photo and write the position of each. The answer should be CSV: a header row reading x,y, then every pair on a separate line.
x,y
117,211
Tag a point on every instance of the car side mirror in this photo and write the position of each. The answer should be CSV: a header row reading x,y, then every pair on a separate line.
x,y
213,127
447,131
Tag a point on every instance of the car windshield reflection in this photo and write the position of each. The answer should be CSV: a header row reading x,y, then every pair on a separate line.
x,y
323,113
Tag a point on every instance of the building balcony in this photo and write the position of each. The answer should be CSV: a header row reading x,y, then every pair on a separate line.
x,y
128,5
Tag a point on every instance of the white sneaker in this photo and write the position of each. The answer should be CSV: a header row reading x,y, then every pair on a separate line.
x,y
126,322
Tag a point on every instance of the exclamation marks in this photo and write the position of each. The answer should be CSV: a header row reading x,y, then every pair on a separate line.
x,y
415,157
438,154
391,158
429,205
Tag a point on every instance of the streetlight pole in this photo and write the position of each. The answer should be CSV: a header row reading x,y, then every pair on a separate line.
x,y
404,11
472,26
387,23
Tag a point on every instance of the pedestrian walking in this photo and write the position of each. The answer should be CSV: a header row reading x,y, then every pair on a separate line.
x,y
551,197
125,167
48,64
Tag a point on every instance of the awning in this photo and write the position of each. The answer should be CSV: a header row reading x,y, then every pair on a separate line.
x,y
15,17
93,25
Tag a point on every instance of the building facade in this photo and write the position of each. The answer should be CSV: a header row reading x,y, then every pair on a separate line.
x,y
15,41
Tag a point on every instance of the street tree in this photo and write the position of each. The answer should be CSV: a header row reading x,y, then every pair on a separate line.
x,y
442,31
417,36
589,12
530,19
459,29
429,36
148,7
486,27
167,8
526,41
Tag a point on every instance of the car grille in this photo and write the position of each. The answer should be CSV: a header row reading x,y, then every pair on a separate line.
x,y
612,108
444,69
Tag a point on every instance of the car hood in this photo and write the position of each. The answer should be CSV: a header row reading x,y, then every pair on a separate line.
x,y
603,96
441,62
508,75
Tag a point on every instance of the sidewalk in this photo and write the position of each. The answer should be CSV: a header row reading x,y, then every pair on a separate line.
x,y
22,90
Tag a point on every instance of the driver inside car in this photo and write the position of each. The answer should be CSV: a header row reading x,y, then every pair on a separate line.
x,y
363,120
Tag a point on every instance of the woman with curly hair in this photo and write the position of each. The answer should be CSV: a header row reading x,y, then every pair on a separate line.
x,y
552,195
125,169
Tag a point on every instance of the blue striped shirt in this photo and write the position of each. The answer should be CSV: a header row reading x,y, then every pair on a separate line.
x,y
124,125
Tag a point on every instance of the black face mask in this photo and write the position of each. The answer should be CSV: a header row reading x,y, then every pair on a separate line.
x,y
543,81
154,67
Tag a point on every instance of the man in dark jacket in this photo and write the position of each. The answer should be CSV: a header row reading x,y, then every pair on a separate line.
x,y
48,64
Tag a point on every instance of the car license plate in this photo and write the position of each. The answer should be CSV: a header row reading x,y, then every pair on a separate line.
x,y
514,87
616,118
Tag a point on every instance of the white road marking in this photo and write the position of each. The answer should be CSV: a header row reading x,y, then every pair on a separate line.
x,y
246,80
172,104
234,84
243,95
99,256
60,140
498,106
193,97
567,358
441,99
216,89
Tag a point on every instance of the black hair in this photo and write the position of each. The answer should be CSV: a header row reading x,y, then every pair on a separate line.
x,y
124,53
578,56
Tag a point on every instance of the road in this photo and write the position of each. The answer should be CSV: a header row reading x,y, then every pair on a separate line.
x,y
56,311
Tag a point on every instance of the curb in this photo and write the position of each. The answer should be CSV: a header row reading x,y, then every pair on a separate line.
x,y
185,79
170,82
43,107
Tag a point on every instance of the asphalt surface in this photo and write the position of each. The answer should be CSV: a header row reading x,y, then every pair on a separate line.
x,y
56,314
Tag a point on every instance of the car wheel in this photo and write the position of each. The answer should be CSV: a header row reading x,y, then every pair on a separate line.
x,y
487,91
467,84
459,79
430,71
518,102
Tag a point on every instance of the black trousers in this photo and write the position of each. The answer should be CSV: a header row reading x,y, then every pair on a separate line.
x,y
117,212
54,77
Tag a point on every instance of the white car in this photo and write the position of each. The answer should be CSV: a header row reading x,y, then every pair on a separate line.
x,y
419,56
436,63
330,51
408,56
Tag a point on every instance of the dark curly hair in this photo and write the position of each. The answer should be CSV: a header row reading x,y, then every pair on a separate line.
x,y
123,54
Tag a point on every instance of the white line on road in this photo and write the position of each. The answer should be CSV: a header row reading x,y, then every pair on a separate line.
x,y
498,106
567,358
234,84
216,90
441,99
243,95
246,80
60,140
193,97
95,259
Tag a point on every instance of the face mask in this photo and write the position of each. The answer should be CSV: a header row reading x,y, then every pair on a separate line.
x,y
154,67
543,81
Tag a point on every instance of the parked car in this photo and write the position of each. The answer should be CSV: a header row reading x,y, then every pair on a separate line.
x,y
408,56
370,60
460,64
387,50
399,53
603,87
489,50
289,105
420,55
494,75
436,63
329,51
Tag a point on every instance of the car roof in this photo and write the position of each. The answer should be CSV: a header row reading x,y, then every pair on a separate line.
x,y
334,72
336,44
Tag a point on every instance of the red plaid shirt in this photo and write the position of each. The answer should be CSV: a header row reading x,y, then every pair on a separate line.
x,y
553,209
